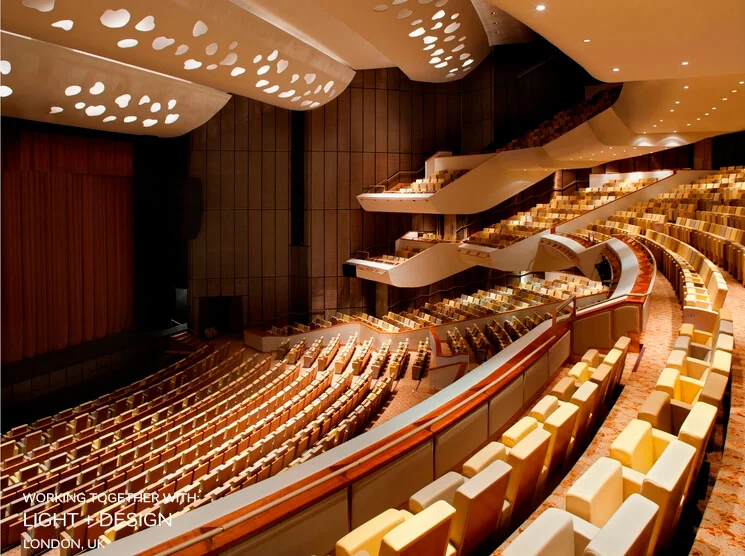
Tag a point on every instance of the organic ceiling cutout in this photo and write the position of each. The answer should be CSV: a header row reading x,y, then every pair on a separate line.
x,y
93,111
133,20
56,109
144,100
65,24
5,91
162,42
41,5
230,59
146,24
115,19
170,118
123,100
5,67
200,28
149,122
108,119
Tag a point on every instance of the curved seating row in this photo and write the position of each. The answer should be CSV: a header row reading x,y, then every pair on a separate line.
x,y
630,501
460,513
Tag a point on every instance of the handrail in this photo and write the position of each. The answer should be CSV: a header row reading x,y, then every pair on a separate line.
x,y
384,448
386,181
463,402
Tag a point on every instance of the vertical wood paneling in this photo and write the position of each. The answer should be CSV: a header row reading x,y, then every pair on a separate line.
x,y
381,124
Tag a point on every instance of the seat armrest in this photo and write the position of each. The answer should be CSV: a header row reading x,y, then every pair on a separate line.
x,y
660,441
699,351
701,337
584,532
690,389
696,368
632,482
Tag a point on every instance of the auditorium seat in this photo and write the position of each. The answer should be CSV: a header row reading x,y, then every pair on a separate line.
x,y
559,533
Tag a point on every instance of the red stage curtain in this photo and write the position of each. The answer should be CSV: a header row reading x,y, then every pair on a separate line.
x,y
67,241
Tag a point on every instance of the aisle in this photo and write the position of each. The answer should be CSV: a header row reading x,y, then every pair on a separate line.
x,y
722,530
665,316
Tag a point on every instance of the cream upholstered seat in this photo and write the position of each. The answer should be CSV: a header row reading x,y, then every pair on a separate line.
x,y
600,491
518,431
585,399
369,535
480,460
551,534
526,460
580,372
559,533
425,533
564,389
592,358
639,446
440,489
479,504
545,407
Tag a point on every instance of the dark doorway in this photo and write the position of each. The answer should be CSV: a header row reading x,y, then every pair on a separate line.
x,y
224,314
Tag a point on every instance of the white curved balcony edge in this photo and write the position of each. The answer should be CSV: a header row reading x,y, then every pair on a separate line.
x,y
431,266
614,134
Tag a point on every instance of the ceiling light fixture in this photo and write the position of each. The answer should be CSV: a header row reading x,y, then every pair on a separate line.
x,y
685,86
586,40
616,69
684,63
540,8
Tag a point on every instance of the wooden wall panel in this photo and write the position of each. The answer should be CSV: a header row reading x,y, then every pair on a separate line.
x,y
242,157
376,128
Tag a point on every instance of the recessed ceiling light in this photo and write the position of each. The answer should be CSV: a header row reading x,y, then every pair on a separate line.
x,y
616,69
698,119
494,13
540,8
654,125
586,40
724,98
684,63
688,124
685,86
671,110
706,114
713,107
677,102
734,90
675,131
662,121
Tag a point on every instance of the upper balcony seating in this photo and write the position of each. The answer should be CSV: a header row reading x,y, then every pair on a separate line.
x,y
565,121
547,215
431,184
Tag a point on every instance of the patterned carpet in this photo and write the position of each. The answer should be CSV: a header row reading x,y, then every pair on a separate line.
x,y
721,530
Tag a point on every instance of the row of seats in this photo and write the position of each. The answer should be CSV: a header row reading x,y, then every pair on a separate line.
x,y
431,184
498,299
630,501
420,360
696,279
565,121
560,209
462,513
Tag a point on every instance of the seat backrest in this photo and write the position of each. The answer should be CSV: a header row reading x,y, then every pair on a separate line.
x,y
696,430
369,535
665,484
551,534
526,460
628,531
478,507
560,424
584,398
656,411
598,492
425,533
634,447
